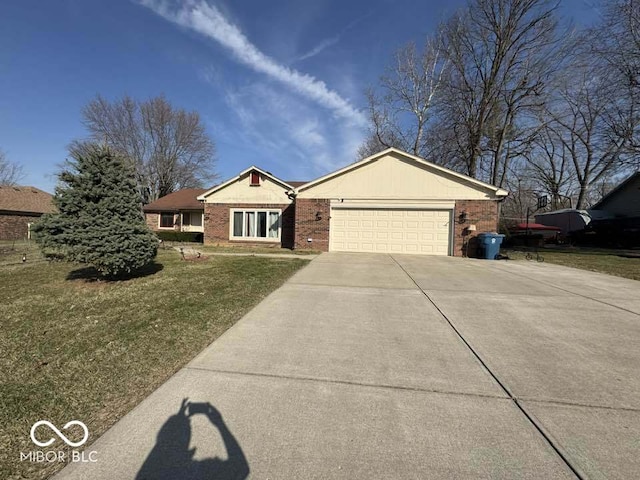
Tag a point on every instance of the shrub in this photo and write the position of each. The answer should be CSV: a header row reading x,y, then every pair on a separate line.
x,y
172,236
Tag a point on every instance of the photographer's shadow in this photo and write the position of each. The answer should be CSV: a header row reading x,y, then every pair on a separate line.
x,y
171,457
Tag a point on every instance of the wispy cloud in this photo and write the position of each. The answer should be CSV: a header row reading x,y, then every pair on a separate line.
x,y
331,41
286,125
324,44
209,21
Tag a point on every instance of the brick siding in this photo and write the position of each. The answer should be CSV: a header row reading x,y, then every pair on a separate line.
x,y
312,222
216,224
153,222
14,227
481,213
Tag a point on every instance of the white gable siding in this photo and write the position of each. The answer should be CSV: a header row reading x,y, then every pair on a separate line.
x,y
394,176
240,191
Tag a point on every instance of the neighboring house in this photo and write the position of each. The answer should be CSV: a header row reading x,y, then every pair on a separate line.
x,y
622,201
19,208
390,202
179,211
619,225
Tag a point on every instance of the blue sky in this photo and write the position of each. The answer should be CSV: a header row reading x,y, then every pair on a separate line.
x,y
279,84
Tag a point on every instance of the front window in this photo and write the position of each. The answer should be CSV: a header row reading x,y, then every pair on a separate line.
x,y
256,224
192,219
166,220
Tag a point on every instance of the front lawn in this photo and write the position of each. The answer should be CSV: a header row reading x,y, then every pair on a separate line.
x,y
73,348
613,262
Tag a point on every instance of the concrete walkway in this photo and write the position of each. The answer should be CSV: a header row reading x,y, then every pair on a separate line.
x,y
373,366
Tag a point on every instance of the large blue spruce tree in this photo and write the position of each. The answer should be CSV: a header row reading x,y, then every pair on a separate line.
x,y
99,220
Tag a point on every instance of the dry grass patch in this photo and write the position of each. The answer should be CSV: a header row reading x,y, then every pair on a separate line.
x,y
76,348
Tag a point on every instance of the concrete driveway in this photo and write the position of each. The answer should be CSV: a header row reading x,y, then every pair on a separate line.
x,y
378,366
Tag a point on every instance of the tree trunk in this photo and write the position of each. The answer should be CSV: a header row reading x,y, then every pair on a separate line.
x,y
584,189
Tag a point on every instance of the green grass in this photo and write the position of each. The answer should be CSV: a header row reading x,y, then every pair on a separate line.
x,y
91,350
611,262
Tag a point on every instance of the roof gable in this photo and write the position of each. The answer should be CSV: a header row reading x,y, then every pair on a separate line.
x,y
240,190
626,187
393,173
240,176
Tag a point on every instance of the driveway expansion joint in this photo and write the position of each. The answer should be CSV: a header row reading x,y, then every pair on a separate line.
x,y
349,383
541,430
363,290
570,291
565,403
356,287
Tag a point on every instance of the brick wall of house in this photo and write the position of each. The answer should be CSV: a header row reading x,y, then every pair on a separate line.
x,y
15,227
153,221
312,222
481,213
216,224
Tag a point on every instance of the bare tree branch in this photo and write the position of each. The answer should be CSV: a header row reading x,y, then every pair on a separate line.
x,y
10,173
501,52
169,147
400,113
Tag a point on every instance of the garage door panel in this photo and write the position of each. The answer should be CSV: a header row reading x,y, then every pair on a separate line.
x,y
390,230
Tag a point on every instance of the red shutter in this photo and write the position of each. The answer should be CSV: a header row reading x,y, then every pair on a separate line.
x,y
255,178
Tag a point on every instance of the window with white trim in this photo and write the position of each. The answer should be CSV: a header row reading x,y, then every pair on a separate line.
x,y
255,224
166,220
191,219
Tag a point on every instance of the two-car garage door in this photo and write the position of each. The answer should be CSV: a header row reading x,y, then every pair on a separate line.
x,y
390,230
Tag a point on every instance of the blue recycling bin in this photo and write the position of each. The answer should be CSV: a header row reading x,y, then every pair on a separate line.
x,y
489,245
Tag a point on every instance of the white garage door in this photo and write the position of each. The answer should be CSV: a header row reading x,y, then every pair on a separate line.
x,y
390,230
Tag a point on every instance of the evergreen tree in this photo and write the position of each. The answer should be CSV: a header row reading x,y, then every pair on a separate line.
x,y
99,220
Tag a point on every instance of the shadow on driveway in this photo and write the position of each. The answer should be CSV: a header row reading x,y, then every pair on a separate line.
x,y
172,459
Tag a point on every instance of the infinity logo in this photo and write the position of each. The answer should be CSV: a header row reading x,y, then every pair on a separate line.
x,y
59,433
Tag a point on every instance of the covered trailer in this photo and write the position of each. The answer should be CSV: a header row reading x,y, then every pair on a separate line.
x,y
569,220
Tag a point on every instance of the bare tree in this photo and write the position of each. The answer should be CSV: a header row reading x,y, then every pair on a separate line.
x,y
10,173
501,53
523,192
615,45
399,114
169,147
581,113
548,165
372,145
